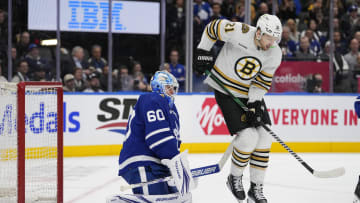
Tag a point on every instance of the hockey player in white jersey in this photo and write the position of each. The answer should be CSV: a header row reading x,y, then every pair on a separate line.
x,y
245,66
151,147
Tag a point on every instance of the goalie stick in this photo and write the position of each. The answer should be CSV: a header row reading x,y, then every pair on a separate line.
x,y
320,174
196,172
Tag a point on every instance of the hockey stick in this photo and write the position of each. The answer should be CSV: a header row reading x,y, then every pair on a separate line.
x,y
320,174
196,172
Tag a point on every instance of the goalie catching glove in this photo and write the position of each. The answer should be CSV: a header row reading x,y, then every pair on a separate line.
x,y
253,115
180,171
203,61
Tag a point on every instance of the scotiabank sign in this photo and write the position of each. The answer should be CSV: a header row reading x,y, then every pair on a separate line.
x,y
291,75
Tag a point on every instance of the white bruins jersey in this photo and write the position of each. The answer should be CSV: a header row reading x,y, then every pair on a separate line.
x,y
241,66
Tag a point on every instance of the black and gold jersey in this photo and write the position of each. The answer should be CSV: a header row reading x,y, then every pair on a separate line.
x,y
241,66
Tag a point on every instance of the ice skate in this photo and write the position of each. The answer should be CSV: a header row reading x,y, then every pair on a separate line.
x,y
255,194
357,193
234,183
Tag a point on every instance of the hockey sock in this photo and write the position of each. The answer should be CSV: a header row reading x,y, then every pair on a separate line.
x,y
258,163
239,160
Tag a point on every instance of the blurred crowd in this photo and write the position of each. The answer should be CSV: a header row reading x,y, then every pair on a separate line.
x,y
84,65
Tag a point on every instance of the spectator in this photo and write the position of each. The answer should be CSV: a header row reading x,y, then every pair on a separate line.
x,y
287,45
342,79
339,43
175,21
294,34
350,20
138,68
80,84
24,43
36,63
21,74
351,56
96,60
304,50
166,67
287,10
69,83
39,75
139,85
314,8
14,59
3,27
104,78
94,83
314,83
76,61
263,8
357,36
239,15
216,8
177,69
228,8
2,78
317,34
125,81
315,47
202,11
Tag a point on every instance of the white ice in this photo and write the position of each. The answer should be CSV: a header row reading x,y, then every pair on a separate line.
x,y
93,179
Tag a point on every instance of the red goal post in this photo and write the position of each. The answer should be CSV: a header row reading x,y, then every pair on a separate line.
x,y
31,142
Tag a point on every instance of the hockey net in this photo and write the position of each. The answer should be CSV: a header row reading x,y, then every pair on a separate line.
x,y
31,142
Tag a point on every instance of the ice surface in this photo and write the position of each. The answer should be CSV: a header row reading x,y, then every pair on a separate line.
x,y
93,179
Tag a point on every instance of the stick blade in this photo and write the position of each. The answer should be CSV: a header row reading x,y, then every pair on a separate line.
x,y
330,174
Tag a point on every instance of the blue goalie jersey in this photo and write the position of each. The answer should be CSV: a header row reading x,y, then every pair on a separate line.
x,y
152,133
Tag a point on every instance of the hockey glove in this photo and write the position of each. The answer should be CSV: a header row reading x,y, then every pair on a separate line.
x,y
203,61
253,115
180,171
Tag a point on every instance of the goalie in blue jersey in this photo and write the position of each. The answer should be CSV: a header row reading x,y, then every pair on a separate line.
x,y
151,148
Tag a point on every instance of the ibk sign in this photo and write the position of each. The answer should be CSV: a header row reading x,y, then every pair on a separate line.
x,y
211,118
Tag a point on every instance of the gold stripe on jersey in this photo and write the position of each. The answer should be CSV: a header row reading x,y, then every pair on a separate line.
x,y
236,90
212,28
209,33
234,82
259,85
260,79
266,74
218,30
230,85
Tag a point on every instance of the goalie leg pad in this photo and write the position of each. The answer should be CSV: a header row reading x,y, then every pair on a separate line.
x,y
180,171
149,173
170,198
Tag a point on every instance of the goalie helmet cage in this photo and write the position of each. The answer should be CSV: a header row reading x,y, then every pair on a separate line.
x,y
38,156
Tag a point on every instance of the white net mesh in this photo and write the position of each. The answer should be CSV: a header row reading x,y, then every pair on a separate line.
x,y
40,145
8,143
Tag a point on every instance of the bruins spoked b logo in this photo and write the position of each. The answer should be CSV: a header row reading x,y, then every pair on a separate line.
x,y
247,67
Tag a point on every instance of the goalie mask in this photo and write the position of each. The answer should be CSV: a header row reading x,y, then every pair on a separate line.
x,y
165,84
271,25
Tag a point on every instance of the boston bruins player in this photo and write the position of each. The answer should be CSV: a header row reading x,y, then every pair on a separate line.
x,y
245,66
